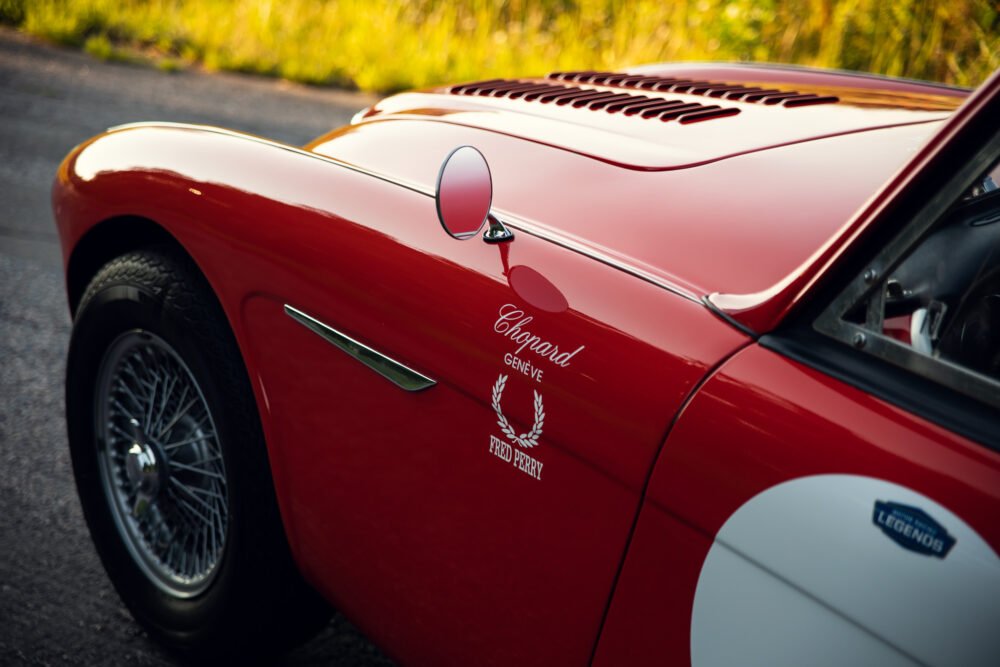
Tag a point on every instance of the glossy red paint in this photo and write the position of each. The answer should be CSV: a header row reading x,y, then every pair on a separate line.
x,y
411,511
760,421
762,310
644,144
536,290
886,121
707,228
369,477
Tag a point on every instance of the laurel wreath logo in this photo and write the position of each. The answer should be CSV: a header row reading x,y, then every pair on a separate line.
x,y
525,440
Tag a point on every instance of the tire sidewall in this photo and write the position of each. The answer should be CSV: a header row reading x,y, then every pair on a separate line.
x,y
114,309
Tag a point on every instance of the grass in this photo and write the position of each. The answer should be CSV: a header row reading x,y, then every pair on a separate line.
x,y
385,45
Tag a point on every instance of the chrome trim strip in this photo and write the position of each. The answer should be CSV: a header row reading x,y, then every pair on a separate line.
x,y
533,229
400,375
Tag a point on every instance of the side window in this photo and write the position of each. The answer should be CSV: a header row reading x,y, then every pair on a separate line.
x,y
931,303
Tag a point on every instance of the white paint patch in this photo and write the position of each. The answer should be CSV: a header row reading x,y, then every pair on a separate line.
x,y
800,575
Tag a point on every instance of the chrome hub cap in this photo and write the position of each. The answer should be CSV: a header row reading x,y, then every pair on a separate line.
x,y
160,463
144,472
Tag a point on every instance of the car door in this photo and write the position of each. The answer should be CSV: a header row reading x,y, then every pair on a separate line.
x,y
481,513
830,496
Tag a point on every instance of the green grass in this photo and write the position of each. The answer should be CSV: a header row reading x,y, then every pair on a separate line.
x,y
394,44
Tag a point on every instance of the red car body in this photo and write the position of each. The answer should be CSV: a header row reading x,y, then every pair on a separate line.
x,y
634,323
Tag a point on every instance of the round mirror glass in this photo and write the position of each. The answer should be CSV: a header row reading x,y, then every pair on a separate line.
x,y
464,192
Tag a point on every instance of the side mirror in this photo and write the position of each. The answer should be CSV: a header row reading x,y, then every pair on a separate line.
x,y
464,194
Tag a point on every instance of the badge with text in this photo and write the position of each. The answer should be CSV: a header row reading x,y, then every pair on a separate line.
x,y
912,528
513,323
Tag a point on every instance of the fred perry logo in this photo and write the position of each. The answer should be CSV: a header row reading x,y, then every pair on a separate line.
x,y
912,528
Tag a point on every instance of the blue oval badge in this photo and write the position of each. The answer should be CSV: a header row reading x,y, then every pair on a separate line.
x,y
912,529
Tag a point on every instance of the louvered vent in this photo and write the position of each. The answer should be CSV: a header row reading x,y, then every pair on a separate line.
x,y
640,106
787,98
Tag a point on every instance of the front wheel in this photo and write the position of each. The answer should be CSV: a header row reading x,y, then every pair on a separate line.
x,y
171,465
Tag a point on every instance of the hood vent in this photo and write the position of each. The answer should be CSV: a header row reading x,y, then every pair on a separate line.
x,y
640,106
787,98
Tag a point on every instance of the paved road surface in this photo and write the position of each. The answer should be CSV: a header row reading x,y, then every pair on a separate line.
x,y
56,605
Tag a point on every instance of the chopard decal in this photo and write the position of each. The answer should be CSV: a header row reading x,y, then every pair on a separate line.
x,y
912,528
523,366
512,324
509,446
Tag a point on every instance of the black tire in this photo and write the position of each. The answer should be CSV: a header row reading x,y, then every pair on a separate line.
x,y
250,602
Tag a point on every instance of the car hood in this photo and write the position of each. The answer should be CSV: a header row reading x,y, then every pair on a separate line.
x,y
730,204
732,109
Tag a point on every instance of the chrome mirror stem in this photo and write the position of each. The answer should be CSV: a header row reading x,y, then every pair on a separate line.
x,y
496,232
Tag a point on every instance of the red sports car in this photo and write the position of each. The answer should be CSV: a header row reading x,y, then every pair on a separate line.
x,y
682,364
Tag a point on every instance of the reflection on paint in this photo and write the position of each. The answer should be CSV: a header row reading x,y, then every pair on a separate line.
x,y
536,289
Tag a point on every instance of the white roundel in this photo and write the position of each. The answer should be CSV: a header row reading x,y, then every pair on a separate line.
x,y
809,573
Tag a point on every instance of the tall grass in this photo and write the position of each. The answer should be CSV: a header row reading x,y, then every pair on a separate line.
x,y
393,44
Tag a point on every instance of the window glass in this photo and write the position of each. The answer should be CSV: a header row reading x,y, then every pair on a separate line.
x,y
942,301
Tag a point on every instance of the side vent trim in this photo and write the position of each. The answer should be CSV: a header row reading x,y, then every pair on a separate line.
x,y
399,374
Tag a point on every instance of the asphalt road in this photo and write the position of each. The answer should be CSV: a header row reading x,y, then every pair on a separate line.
x,y
56,605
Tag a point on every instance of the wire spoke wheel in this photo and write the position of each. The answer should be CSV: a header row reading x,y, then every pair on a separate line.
x,y
160,463
172,469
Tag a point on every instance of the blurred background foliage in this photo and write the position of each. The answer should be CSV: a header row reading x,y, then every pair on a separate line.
x,y
386,45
